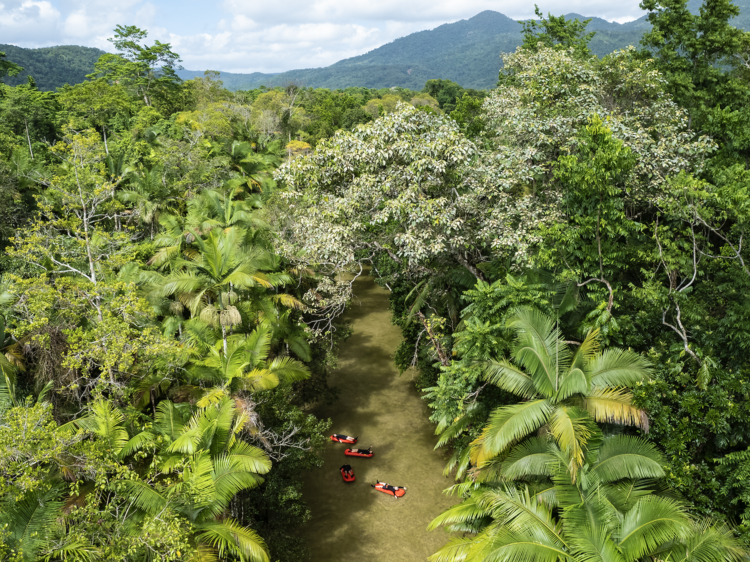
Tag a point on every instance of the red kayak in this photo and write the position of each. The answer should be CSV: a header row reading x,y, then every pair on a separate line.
x,y
367,453
396,491
347,473
343,438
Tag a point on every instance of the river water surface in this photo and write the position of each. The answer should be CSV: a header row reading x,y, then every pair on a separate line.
x,y
353,522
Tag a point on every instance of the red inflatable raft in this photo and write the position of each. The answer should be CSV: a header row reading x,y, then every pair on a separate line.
x,y
343,438
367,453
347,473
396,491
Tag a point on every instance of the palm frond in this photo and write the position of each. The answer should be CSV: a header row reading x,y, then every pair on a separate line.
x,y
74,551
32,518
654,521
229,538
250,458
448,432
539,348
528,459
105,422
228,480
570,428
707,542
144,497
465,512
618,367
510,378
456,550
258,344
169,419
136,443
507,425
626,456
615,405
289,370
288,301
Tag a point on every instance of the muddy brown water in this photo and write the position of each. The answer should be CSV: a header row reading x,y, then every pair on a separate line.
x,y
354,522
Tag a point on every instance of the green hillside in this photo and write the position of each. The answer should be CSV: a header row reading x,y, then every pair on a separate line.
x,y
466,52
51,67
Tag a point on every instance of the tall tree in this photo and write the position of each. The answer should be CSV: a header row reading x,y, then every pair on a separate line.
x,y
146,69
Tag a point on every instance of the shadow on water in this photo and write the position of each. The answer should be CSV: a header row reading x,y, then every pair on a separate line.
x,y
353,521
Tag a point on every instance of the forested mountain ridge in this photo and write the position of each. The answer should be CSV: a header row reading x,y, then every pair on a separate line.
x,y
466,51
52,67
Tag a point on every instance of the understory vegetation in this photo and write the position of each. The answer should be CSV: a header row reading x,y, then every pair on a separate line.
x,y
565,256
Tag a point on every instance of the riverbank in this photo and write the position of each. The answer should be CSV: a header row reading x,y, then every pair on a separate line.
x,y
353,522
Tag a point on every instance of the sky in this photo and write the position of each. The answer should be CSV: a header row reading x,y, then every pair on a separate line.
x,y
263,35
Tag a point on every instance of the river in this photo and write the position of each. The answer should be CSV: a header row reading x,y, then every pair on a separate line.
x,y
353,522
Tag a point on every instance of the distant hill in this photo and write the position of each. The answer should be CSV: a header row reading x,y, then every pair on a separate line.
x,y
232,81
466,52
51,67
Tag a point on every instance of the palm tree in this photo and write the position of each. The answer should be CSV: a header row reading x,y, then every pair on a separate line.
x,y
35,531
245,365
208,465
286,331
150,195
206,280
563,391
255,165
531,508
212,209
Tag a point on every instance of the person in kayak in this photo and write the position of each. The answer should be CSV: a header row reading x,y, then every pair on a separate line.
x,y
362,451
347,469
386,486
344,438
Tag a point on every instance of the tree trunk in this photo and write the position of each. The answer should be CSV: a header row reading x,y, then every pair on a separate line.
x,y
28,138
104,132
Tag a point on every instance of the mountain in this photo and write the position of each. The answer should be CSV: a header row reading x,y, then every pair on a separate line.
x,y
51,67
466,52
232,81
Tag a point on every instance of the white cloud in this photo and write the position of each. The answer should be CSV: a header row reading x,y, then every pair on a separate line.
x,y
29,19
262,35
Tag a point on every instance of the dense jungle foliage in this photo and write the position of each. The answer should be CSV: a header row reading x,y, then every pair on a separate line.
x,y
565,260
